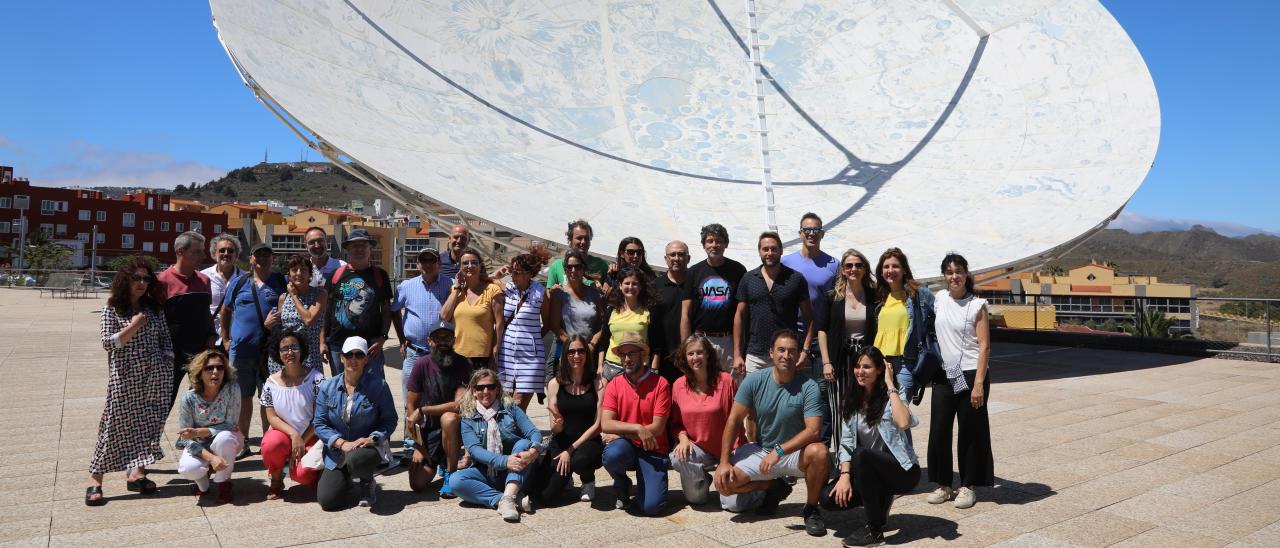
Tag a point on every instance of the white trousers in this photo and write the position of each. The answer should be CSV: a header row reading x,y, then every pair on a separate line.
x,y
225,445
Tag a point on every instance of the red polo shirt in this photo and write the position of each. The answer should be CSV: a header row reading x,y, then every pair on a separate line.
x,y
640,403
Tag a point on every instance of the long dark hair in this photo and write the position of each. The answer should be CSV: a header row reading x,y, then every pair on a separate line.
x,y
959,260
588,368
121,287
582,258
855,397
713,361
644,264
909,282
647,298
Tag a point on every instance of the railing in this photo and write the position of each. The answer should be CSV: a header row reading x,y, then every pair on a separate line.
x,y
69,282
1245,327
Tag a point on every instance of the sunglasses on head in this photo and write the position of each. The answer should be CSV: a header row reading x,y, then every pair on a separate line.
x,y
486,387
354,354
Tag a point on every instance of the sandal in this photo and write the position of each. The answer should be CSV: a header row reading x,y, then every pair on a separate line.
x,y
90,492
141,485
277,487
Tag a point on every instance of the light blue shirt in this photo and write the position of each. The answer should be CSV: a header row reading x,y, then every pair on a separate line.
x,y
420,301
898,441
819,273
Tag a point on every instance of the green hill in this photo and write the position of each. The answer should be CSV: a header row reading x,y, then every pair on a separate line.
x,y
288,183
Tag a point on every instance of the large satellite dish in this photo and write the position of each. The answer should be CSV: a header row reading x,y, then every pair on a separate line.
x,y
1000,129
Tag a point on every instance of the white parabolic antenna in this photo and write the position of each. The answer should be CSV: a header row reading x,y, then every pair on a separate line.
x,y
999,129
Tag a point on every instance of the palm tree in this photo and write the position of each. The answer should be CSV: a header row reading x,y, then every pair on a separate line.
x,y
1152,322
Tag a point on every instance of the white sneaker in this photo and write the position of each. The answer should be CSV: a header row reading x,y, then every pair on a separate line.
x,y
966,498
940,495
526,503
508,510
588,491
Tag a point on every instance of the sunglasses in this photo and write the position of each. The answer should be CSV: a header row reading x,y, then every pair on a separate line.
x,y
354,354
215,368
573,266
470,262
226,251
812,230
147,278
576,351
486,387
849,266
293,348
632,251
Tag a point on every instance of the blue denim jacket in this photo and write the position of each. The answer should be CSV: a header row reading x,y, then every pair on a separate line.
x,y
373,414
915,325
898,441
515,425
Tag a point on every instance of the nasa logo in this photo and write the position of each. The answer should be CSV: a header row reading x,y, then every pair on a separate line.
x,y
715,292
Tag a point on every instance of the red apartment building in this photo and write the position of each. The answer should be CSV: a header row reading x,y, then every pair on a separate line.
x,y
141,223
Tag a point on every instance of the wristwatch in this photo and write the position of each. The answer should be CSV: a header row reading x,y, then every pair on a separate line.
x,y
778,449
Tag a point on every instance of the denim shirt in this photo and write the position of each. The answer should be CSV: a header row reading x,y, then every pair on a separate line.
x,y
915,325
898,441
515,425
373,414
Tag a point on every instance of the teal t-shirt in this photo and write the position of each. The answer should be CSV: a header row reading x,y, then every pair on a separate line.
x,y
780,408
595,266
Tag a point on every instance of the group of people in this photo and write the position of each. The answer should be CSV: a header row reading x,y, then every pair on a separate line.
x,y
748,380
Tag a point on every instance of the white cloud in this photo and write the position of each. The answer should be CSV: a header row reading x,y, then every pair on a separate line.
x,y
88,164
1134,222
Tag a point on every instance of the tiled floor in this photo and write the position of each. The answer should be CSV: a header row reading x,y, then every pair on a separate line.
x,y
1092,448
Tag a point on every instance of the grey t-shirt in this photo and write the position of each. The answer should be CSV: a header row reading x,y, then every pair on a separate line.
x,y
780,408
580,317
868,436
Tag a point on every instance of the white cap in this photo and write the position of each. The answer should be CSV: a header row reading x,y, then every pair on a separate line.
x,y
355,343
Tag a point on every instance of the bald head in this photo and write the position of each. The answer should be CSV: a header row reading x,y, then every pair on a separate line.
x,y
459,239
677,256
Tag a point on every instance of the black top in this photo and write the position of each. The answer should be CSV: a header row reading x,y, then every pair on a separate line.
x,y
769,310
356,305
712,291
833,324
579,414
665,317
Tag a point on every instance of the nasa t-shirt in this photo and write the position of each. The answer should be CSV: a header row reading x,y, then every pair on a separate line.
x,y
712,291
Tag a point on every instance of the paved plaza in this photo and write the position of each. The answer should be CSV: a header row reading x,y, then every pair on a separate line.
x,y
1093,448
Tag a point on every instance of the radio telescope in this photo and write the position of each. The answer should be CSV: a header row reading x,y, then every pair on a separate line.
x,y
1000,129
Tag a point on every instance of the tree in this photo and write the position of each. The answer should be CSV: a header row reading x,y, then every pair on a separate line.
x,y
1152,322
119,262
181,188
48,255
286,174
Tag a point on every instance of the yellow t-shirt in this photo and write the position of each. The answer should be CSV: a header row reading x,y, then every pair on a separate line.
x,y
473,324
891,328
624,322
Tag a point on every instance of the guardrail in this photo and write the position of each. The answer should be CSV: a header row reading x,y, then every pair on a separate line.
x,y
58,282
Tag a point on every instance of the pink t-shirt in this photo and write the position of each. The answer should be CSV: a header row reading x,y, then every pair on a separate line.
x,y
639,404
702,417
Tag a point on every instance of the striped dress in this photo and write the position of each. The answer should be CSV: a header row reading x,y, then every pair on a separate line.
x,y
521,358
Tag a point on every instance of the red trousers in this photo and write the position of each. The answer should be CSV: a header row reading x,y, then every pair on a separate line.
x,y
277,450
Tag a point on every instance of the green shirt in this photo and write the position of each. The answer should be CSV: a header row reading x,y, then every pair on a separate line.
x,y
780,408
595,266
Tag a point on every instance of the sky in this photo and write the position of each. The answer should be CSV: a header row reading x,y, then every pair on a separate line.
x,y
140,93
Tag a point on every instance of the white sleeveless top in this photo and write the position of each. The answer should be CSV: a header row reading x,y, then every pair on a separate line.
x,y
295,404
956,325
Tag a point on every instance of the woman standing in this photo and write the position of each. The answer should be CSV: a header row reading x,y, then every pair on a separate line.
x,y
302,310
289,399
354,418
630,255
140,360
876,458
629,305
904,316
503,444
475,307
847,328
577,309
574,407
700,404
207,433
960,389
521,358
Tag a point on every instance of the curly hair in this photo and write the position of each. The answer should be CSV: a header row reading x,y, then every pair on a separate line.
x,y
197,364
467,402
280,336
533,260
300,260
646,300
121,287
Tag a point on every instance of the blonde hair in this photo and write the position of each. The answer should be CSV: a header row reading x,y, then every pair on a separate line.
x,y
868,278
197,364
467,402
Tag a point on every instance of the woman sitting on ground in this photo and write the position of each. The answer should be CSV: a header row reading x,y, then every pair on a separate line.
x,y
876,458
289,398
502,443
355,417
207,415
575,425
700,404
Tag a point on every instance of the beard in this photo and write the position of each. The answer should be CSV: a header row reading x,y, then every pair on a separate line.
x,y
443,358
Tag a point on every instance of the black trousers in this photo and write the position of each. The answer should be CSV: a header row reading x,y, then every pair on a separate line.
x,y
333,489
546,483
973,444
877,477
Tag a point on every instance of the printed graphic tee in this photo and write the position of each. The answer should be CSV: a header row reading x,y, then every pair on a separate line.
x,y
356,303
712,291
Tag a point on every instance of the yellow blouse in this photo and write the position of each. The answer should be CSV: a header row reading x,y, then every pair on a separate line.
x,y
473,324
891,331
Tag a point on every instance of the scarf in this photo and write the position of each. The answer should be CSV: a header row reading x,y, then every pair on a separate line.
x,y
494,439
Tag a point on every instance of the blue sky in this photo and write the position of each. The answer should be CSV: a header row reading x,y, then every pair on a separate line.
x,y
141,93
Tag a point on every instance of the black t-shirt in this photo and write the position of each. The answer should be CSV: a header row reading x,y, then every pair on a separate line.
x,y
356,304
770,310
713,292
665,318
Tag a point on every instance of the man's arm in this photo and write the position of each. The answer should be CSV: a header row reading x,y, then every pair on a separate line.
x,y
686,325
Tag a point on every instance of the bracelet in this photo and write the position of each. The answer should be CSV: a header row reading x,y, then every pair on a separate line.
x,y
846,473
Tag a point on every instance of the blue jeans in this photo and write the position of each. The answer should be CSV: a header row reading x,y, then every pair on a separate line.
x,y
372,367
651,472
815,369
411,356
902,376
475,486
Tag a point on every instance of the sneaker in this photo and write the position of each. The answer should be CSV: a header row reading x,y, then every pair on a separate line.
x,y
368,494
446,488
508,510
526,503
777,492
623,490
588,491
940,495
813,522
966,498
867,536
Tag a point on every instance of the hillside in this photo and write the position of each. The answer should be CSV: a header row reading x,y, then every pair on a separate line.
x,y
1238,267
284,182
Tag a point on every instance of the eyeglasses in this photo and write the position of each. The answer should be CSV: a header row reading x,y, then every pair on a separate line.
x,y
812,230
632,251
215,368
354,354
851,266
290,349
142,278
631,354
576,351
677,254
573,266
486,387
470,262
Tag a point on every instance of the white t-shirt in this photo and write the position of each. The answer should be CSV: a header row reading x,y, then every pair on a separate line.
x,y
295,404
956,325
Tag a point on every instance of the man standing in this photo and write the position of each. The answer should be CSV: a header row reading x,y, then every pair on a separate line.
x,y
788,411
225,250
710,303
187,298
360,305
248,315
820,271
579,237
769,298
415,311
666,316
317,241
634,420
459,239
431,406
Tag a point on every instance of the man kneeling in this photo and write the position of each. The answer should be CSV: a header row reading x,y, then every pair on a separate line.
x,y
788,411
436,382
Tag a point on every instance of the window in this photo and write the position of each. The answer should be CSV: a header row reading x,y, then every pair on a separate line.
x,y
21,201
16,226
147,246
128,219
46,230
60,230
4,227
217,229
48,207
195,226
101,217
82,236
84,215
287,243
63,206
164,226
126,241
177,227
102,238
148,225
164,247
6,202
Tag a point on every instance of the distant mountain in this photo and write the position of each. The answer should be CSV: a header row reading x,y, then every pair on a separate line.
x,y
292,184
1238,267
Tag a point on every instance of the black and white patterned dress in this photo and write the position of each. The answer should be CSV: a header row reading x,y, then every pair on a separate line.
x,y
140,379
